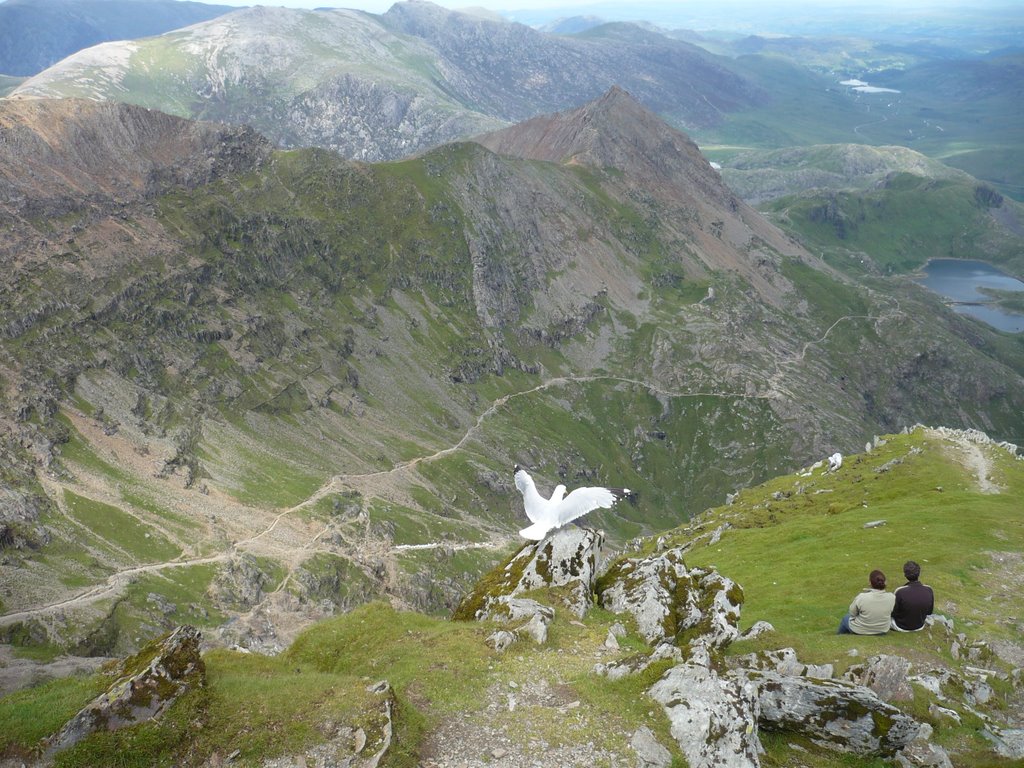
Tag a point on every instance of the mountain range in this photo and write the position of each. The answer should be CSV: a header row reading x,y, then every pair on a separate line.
x,y
251,387
387,86
384,87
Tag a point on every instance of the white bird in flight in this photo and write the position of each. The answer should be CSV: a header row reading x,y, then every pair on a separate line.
x,y
548,514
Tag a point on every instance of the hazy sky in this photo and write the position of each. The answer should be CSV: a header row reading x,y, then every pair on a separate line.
x,y
809,17
379,6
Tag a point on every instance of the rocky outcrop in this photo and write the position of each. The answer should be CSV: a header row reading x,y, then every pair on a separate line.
x,y
712,717
60,156
830,713
566,561
239,583
886,675
667,600
149,683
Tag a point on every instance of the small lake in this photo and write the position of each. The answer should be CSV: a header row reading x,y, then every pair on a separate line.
x,y
959,281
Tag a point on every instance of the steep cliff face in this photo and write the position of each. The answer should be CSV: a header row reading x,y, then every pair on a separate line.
x,y
665,169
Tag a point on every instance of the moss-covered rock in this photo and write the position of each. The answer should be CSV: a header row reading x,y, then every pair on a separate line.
x,y
149,682
672,603
833,714
565,561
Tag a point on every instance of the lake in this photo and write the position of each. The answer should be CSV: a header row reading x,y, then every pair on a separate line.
x,y
959,281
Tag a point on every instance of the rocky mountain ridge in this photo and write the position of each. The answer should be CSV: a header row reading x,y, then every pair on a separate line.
x,y
384,87
268,386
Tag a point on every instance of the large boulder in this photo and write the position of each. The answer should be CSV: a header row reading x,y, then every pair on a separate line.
x,y
150,681
566,560
831,713
667,600
886,675
712,717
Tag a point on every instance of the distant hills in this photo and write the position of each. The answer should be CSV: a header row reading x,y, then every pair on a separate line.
x,y
275,384
35,34
387,86
884,209
380,87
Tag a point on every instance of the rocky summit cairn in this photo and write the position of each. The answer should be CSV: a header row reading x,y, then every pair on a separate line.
x,y
149,682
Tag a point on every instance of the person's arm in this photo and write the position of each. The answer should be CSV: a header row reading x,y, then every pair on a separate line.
x,y
855,607
896,606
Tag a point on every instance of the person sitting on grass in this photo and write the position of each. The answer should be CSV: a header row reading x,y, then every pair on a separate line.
x,y
870,611
914,601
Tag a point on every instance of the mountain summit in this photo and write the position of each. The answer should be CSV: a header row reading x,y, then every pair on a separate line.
x,y
641,156
613,131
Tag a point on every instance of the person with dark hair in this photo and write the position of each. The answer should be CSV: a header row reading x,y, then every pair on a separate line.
x,y
914,601
870,611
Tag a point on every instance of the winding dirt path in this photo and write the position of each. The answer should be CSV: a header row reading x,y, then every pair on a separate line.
x,y
117,582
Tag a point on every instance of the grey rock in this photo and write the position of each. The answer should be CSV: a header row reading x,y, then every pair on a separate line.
x,y
887,676
151,681
936,711
646,589
820,671
567,558
501,639
666,599
239,583
831,713
515,609
650,753
781,660
536,628
712,718
1009,742
921,753
757,629
616,670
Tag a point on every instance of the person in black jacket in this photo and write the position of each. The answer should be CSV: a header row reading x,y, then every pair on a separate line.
x,y
914,601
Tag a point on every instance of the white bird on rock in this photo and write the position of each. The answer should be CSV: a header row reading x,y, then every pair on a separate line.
x,y
548,514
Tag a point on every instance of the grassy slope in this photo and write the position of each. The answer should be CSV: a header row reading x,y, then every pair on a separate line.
x,y
965,113
902,223
797,545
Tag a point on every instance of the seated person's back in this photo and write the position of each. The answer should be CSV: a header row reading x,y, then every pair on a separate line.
x,y
914,601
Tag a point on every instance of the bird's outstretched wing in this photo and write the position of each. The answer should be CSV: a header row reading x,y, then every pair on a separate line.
x,y
533,503
583,500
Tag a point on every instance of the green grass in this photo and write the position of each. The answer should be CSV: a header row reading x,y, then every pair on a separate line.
x,y
186,588
901,225
264,707
118,528
409,526
821,553
30,715
77,451
797,545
